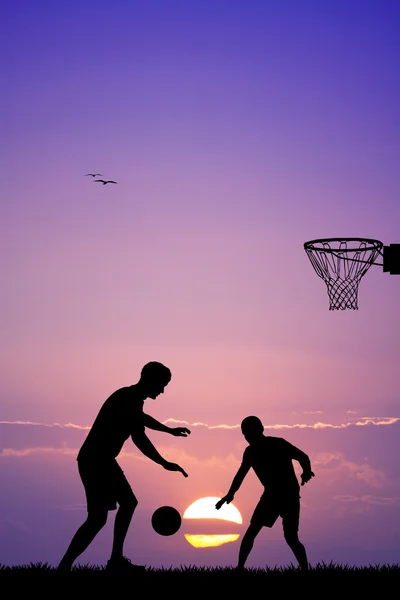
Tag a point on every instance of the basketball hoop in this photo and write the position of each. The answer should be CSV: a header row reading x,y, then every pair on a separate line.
x,y
341,263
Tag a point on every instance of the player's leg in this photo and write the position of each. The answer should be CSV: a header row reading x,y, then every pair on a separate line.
x,y
127,503
292,539
92,479
265,514
83,537
290,522
247,543
121,524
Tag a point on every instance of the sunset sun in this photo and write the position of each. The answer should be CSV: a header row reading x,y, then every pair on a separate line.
x,y
204,509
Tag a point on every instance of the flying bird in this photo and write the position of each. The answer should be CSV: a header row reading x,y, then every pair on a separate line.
x,y
93,174
103,181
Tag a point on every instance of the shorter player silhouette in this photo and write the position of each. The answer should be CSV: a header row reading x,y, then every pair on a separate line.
x,y
271,459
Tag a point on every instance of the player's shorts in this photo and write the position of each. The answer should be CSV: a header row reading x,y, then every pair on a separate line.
x,y
270,507
105,484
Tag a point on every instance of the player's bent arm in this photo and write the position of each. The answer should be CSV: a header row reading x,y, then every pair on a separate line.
x,y
143,443
152,423
303,459
305,463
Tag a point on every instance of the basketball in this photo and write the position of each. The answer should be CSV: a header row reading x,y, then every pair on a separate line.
x,y
166,520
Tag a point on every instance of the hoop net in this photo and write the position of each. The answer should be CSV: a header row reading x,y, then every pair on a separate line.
x,y
342,263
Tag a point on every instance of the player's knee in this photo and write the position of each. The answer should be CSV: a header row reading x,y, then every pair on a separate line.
x,y
291,537
252,532
98,519
129,502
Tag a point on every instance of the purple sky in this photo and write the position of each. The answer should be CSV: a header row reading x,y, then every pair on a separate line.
x,y
236,132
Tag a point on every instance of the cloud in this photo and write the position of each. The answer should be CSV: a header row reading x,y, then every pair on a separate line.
x,y
13,524
361,422
335,461
200,424
346,498
65,450
53,439
367,499
379,500
35,424
224,462
77,506
37,450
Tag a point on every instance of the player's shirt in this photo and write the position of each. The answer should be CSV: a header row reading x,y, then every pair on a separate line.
x,y
120,416
271,460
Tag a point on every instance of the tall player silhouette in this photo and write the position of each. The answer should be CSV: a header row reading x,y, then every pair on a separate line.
x,y
120,417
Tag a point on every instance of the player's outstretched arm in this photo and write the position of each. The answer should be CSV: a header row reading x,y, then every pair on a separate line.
x,y
152,423
236,483
225,499
179,431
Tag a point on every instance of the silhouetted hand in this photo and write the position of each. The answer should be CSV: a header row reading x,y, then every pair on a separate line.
x,y
169,466
228,499
180,431
306,476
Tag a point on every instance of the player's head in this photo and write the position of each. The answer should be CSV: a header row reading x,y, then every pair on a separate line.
x,y
252,428
153,378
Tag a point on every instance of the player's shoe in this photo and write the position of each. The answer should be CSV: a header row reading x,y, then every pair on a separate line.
x,y
123,566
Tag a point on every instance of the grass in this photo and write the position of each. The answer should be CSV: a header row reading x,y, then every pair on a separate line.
x,y
210,582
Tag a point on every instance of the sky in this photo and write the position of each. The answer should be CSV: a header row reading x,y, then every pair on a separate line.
x,y
236,131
